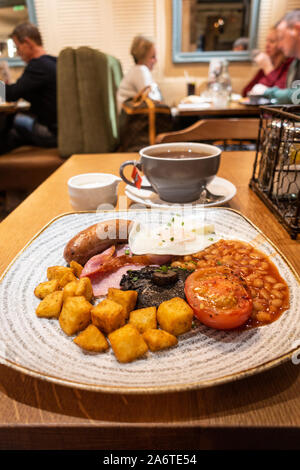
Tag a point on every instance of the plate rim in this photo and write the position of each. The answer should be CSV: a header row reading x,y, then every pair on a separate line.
x,y
196,385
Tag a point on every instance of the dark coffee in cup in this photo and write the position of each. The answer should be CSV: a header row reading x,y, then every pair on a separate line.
x,y
180,155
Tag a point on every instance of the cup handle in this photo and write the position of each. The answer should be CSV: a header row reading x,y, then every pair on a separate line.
x,y
139,167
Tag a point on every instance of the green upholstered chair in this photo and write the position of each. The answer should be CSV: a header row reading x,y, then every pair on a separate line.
x,y
70,138
87,81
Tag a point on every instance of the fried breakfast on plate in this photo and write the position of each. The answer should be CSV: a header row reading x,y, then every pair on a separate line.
x,y
143,285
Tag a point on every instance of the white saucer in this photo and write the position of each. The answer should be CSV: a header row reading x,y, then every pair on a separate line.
x,y
151,199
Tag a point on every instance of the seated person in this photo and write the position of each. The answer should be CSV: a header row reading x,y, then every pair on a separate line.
x,y
240,44
37,85
273,64
139,76
288,30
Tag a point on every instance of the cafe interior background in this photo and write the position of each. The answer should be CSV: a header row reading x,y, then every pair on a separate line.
x,y
188,34
110,25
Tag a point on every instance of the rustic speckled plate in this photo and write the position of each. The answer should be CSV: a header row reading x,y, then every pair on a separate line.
x,y
203,357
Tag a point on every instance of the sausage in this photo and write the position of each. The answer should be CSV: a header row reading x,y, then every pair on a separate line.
x,y
95,239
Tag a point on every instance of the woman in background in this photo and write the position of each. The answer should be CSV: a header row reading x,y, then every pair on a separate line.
x,y
273,65
139,76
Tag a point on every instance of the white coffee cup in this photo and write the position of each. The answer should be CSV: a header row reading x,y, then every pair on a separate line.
x,y
88,191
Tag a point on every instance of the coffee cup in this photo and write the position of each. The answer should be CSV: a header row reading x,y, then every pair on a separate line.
x,y
88,191
177,172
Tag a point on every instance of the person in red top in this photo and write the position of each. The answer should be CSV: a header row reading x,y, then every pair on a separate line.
x,y
273,65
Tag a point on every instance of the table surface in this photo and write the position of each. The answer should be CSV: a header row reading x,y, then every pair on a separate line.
x,y
234,109
259,411
13,107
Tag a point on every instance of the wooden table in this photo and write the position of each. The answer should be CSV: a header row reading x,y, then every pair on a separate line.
x,y
233,110
261,411
8,108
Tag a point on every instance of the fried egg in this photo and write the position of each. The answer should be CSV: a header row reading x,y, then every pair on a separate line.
x,y
178,236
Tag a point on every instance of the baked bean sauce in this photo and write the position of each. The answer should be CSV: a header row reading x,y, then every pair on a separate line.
x,y
269,291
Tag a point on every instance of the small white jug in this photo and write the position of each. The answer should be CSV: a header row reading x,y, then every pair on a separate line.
x,y
88,191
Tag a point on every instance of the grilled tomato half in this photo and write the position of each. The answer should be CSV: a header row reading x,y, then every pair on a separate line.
x,y
220,299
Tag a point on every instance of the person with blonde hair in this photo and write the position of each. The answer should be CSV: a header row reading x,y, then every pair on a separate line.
x,y
139,76
273,65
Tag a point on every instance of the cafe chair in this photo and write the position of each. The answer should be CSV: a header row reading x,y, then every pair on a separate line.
x,y
87,82
214,130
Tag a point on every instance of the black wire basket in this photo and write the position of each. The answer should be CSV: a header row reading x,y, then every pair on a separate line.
x,y
276,170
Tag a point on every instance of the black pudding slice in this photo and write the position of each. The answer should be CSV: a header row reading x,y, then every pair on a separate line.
x,y
150,294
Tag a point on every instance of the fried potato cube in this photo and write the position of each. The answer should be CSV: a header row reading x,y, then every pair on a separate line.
x,y
91,339
45,288
126,298
108,316
127,343
159,339
66,278
84,287
81,287
76,268
143,318
175,316
70,289
75,314
50,306
57,272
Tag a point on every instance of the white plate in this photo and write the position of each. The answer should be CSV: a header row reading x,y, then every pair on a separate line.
x,y
23,104
195,99
203,357
151,199
235,97
193,106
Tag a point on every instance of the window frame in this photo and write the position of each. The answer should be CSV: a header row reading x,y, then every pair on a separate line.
x,y
198,56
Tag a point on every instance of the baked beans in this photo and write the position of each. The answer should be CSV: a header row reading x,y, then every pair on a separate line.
x,y
269,291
